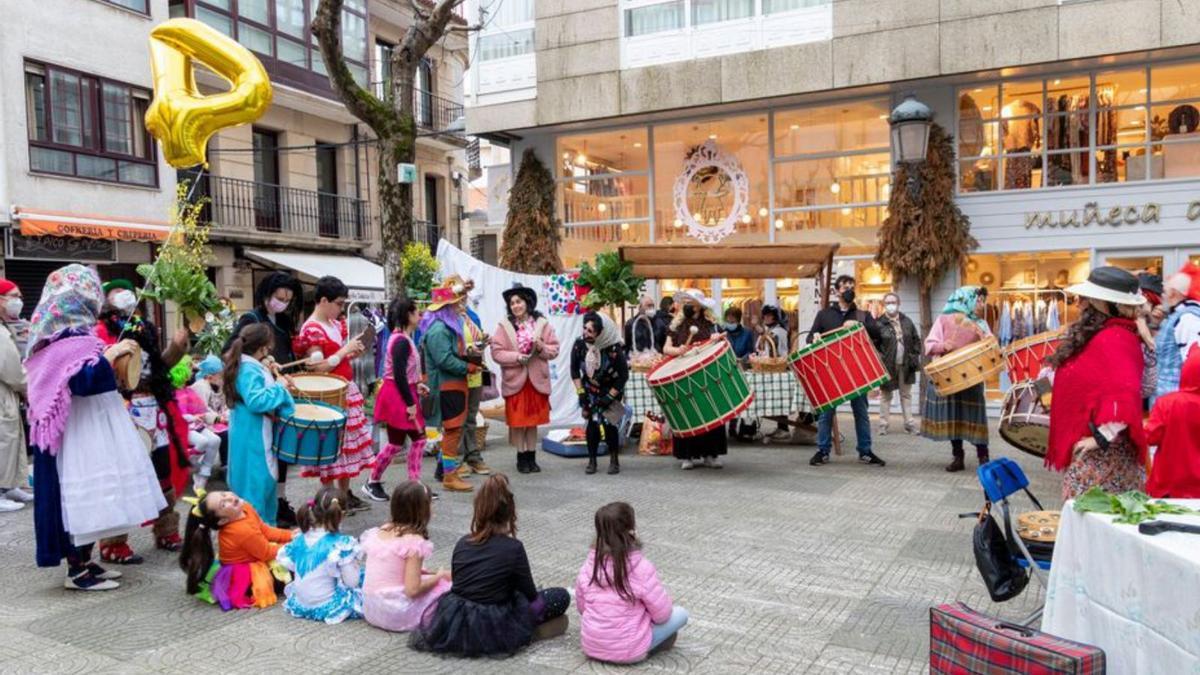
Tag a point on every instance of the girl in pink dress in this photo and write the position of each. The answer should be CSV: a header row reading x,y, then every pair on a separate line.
x,y
398,405
398,592
325,333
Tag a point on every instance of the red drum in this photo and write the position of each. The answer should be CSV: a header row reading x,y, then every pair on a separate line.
x,y
1025,358
841,366
1025,420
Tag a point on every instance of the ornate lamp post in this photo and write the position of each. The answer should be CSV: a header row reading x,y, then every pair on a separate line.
x,y
910,123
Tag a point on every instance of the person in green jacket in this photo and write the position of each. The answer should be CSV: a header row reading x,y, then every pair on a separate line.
x,y
447,364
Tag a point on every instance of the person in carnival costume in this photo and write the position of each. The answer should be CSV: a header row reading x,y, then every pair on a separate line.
x,y
92,475
963,415
326,565
600,369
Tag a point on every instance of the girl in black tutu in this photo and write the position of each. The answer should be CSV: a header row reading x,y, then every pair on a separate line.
x,y
494,608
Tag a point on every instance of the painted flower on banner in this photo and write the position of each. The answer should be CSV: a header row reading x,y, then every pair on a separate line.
x,y
565,295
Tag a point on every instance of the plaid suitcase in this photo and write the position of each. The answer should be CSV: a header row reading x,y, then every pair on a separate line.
x,y
962,640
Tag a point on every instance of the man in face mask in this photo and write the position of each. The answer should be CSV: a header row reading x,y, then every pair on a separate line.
x,y
13,469
900,346
845,312
11,305
641,333
1180,331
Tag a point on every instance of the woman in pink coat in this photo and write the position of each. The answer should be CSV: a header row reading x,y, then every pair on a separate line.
x,y
625,612
523,346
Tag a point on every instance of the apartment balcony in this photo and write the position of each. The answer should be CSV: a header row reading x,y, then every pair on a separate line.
x,y
250,212
437,117
425,232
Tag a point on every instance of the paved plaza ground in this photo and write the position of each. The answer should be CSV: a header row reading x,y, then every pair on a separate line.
x,y
784,568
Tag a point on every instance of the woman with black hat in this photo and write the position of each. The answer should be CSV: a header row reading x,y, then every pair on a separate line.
x,y
523,346
1096,434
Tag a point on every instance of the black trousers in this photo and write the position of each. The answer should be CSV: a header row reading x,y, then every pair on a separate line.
x,y
593,438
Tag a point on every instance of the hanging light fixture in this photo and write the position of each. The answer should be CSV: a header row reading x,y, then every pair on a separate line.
x,y
602,207
779,223
762,212
835,187
910,122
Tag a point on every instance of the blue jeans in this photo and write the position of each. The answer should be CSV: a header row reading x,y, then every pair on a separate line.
x,y
660,632
862,427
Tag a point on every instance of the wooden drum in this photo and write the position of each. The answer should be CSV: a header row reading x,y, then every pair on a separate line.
x,y
965,367
1039,526
1025,358
128,367
322,387
701,389
1025,420
841,366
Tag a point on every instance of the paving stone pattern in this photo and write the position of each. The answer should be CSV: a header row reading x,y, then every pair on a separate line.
x,y
785,568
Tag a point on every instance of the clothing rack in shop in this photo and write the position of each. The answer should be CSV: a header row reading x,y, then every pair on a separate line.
x,y
997,300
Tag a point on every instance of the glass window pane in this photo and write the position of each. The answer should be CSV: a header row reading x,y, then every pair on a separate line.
x,y
776,6
255,39
359,72
356,5
977,138
850,126
1179,160
117,119
91,99
141,137
95,167
1067,94
1019,172
504,45
1118,165
604,152
135,5
977,175
1121,87
66,108
220,22
1022,134
508,12
600,199
712,11
1173,122
53,161
1170,83
1067,169
138,174
1066,132
255,10
289,17
832,181
1124,126
654,18
979,102
35,105
221,4
291,52
846,217
354,37
318,63
1021,98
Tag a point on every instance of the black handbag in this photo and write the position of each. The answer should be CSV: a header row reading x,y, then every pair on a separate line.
x,y
1004,578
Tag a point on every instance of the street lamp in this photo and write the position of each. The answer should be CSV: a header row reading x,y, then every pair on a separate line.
x,y
910,123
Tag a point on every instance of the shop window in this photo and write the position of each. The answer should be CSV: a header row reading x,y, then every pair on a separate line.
x,y
86,126
604,177
845,127
583,242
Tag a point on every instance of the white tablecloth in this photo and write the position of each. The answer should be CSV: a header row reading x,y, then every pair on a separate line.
x,y
1135,596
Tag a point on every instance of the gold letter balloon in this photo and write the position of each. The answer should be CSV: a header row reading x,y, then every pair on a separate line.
x,y
182,118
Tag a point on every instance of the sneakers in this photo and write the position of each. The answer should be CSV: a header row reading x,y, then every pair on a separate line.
x,y
120,554
882,430
86,581
871,458
614,468
374,491
354,504
481,469
713,463
687,465
8,505
818,459
911,428
101,573
18,495
454,483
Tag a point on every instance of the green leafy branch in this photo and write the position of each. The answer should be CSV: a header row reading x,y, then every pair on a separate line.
x,y
180,272
612,282
1130,507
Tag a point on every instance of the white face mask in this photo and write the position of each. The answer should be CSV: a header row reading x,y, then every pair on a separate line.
x,y
125,301
13,307
891,308
651,312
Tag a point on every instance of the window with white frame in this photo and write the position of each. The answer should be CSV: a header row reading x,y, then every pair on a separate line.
x,y
507,29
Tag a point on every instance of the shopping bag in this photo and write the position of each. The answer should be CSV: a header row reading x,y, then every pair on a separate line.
x,y
963,641
656,436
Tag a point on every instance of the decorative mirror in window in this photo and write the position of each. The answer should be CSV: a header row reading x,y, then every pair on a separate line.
x,y
711,194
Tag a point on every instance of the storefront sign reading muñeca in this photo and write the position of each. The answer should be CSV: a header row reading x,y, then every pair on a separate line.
x,y
711,194
1092,214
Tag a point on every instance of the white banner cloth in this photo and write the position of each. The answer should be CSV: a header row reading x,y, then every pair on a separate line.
x,y
1137,597
487,302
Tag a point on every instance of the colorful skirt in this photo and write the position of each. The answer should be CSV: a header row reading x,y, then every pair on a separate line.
x,y
390,408
527,408
346,603
957,416
238,586
1117,469
356,455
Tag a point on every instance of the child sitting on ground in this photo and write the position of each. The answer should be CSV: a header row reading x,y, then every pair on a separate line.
x,y
325,563
248,546
397,591
493,608
625,614
203,439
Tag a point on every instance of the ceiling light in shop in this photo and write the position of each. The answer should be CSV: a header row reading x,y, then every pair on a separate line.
x,y
581,159
762,212
779,223
795,127
712,137
602,207
835,187
977,90
987,108
845,210
637,145
883,117
1058,82
566,155
746,218
678,223
624,226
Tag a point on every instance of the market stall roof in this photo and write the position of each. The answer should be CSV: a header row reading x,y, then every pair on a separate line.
x,y
743,261
43,222
364,278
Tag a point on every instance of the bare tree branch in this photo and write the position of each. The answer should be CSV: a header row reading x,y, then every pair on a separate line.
x,y
418,10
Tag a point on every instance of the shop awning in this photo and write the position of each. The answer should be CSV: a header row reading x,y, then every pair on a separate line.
x,y
364,278
40,222
743,261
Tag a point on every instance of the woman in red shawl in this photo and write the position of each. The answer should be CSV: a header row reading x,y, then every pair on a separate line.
x,y
1096,434
1174,426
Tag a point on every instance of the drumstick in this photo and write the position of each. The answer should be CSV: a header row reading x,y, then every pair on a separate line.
x,y
692,332
312,358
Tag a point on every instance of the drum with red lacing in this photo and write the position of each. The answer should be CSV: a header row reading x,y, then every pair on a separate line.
x,y
840,366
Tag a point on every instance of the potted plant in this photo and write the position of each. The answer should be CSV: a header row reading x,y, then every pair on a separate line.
x,y
420,269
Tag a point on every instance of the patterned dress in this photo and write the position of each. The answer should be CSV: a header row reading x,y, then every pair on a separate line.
x,y
328,576
1115,470
356,446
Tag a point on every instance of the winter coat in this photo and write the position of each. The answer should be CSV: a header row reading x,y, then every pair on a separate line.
x,y
613,629
443,353
1174,426
12,431
899,373
537,370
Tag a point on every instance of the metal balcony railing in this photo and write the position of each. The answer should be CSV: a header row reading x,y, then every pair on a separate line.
x,y
431,112
237,205
427,233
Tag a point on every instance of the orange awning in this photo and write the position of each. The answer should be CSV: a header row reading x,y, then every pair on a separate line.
x,y
40,222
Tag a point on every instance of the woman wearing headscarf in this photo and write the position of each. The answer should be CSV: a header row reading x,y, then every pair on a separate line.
x,y
961,416
600,369
12,391
693,325
1096,433
92,475
523,345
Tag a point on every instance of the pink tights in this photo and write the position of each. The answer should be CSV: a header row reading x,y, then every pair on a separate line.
x,y
416,450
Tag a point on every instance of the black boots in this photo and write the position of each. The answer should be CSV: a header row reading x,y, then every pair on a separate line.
x,y
591,465
956,465
522,463
532,462
981,453
614,464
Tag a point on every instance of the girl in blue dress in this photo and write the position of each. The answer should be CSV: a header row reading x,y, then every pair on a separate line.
x,y
326,564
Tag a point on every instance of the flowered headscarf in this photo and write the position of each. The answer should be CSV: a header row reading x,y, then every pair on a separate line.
x,y
609,335
963,301
71,299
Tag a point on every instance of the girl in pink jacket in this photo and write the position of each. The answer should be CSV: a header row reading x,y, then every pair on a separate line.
x,y
625,612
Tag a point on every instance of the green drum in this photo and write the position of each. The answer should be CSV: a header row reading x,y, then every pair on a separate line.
x,y
701,389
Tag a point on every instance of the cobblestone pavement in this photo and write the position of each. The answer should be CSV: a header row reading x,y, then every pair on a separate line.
x,y
784,568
